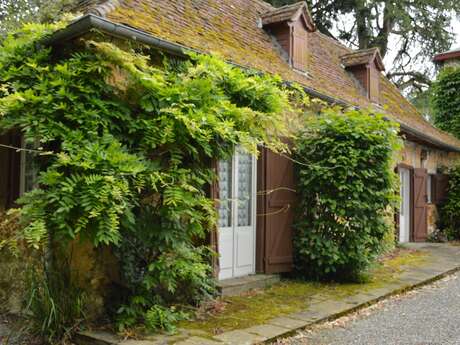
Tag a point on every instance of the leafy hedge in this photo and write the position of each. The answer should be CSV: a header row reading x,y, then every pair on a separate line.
x,y
128,148
449,210
346,187
446,100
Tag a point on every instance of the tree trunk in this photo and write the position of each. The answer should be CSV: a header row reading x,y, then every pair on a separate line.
x,y
362,22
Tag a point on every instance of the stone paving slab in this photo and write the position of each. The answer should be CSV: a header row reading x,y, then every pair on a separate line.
x,y
268,330
239,337
287,322
445,260
198,341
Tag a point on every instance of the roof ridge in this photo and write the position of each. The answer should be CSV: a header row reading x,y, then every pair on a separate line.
x,y
265,4
296,5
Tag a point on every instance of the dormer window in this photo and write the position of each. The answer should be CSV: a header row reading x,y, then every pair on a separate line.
x,y
366,66
290,26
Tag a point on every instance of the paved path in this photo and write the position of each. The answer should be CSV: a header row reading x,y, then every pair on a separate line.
x,y
428,316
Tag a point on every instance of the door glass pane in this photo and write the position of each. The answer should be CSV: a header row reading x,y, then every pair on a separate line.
x,y
29,169
244,188
225,193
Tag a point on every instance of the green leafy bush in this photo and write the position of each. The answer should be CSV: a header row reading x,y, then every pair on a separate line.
x,y
449,210
126,151
346,187
446,100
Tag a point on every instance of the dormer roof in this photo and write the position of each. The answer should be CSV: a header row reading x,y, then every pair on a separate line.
x,y
289,13
363,57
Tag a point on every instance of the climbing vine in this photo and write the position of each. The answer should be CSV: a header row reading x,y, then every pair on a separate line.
x,y
446,100
126,150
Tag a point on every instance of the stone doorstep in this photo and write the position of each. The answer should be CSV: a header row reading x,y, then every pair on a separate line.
x,y
236,286
96,338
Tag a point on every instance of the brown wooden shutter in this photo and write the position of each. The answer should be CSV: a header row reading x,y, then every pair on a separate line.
x,y
440,186
420,230
374,84
278,212
299,49
10,170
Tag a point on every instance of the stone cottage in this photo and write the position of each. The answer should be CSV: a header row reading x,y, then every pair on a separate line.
x,y
255,235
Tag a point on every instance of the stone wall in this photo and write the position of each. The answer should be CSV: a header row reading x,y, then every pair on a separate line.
x,y
452,63
420,156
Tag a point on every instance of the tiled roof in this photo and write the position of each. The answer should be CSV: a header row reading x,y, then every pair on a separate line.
x,y
230,29
97,7
287,13
363,57
450,54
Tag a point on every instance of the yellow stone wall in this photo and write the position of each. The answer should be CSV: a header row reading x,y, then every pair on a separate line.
x,y
452,63
435,160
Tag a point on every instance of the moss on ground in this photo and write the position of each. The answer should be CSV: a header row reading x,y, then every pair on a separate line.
x,y
289,296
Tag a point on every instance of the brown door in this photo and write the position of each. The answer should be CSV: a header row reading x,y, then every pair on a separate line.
x,y
420,230
275,212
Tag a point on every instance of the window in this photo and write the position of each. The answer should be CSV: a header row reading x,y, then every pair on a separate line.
x,y
29,169
429,189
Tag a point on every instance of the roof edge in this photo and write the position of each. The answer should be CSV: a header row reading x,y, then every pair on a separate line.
x,y
91,22
446,56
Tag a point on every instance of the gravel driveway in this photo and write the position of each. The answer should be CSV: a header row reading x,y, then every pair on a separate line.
x,y
428,316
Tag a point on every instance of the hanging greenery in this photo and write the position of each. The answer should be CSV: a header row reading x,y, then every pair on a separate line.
x,y
446,100
346,187
127,150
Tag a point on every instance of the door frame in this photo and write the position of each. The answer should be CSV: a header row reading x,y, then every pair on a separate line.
x,y
405,203
234,217
410,168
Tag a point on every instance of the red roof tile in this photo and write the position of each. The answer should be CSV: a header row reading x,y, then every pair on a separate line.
x,y
230,28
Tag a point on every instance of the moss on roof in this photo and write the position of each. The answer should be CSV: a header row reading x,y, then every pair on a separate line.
x,y
230,28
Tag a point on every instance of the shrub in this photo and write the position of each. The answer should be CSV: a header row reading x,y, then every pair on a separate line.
x,y
446,100
346,187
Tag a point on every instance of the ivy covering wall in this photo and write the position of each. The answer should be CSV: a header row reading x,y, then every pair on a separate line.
x,y
347,189
446,100
125,149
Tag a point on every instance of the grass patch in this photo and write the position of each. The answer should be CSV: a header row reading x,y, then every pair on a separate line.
x,y
289,296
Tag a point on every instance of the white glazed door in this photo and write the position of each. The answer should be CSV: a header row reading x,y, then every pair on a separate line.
x,y
404,210
237,231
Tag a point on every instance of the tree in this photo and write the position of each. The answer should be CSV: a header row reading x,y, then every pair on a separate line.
x,y
13,13
421,29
